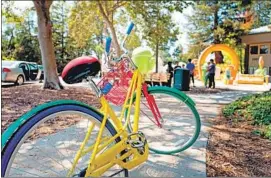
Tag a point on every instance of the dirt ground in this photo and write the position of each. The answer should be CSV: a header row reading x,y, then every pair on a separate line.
x,y
233,150
19,99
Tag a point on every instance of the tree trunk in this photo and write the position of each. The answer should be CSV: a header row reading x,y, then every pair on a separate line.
x,y
9,49
246,59
156,55
218,54
62,32
216,39
111,27
51,80
219,58
115,39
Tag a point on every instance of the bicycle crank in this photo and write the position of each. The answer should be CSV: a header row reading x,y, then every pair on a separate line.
x,y
137,140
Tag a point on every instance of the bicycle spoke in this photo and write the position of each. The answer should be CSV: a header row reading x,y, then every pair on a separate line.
x,y
49,151
178,123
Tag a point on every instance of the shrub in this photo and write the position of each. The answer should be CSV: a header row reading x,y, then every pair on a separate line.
x,y
256,107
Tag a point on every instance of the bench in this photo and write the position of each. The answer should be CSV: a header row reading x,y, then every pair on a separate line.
x,y
252,79
157,78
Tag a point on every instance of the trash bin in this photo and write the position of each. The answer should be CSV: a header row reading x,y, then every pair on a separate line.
x,y
181,79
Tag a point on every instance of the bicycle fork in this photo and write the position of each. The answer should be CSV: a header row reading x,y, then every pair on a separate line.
x,y
152,104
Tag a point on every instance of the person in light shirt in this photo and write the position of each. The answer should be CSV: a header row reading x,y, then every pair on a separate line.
x,y
191,67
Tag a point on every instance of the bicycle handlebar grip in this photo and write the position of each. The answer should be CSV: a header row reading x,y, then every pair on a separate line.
x,y
130,28
108,44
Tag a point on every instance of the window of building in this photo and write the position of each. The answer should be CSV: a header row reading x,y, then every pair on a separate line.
x,y
263,49
253,49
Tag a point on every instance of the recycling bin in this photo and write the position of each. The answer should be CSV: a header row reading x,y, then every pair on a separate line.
x,y
181,79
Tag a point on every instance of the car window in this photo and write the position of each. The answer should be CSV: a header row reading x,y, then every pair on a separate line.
x,y
23,66
33,66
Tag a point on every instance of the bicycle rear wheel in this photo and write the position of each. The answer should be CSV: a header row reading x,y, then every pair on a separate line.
x,y
179,119
46,144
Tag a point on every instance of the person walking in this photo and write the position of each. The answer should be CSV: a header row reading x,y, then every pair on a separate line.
x,y
170,71
191,67
211,70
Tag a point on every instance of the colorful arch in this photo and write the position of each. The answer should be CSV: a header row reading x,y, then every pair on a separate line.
x,y
220,47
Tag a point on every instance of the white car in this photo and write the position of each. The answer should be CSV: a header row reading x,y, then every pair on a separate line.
x,y
19,71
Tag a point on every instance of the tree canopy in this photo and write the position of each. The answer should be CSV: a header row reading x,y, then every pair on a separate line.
x,y
79,28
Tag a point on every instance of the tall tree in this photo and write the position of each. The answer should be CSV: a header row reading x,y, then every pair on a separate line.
x,y
65,50
219,21
51,80
95,18
28,45
11,22
18,35
262,12
154,18
178,50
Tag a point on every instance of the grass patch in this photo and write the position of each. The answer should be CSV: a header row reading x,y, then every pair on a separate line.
x,y
255,108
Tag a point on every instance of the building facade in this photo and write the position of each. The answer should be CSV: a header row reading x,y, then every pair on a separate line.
x,y
258,43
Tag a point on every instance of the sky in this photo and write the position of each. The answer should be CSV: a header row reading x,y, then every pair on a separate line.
x,y
181,20
178,18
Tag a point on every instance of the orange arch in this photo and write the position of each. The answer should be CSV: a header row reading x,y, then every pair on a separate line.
x,y
220,47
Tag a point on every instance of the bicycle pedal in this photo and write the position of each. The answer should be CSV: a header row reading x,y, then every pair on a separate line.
x,y
137,140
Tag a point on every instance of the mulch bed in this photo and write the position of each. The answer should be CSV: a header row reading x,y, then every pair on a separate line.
x,y
233,150
18,100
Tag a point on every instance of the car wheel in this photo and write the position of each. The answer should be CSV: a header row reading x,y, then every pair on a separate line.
x,y
20,80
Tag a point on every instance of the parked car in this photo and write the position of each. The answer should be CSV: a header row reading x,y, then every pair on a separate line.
x,y
19,71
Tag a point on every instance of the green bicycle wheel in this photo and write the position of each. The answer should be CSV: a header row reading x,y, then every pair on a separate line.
x,y
44,141
180,121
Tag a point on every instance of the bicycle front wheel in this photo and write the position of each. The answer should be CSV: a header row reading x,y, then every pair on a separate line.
x,y
46,144
176,125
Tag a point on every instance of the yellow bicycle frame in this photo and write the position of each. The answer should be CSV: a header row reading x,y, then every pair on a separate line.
x,y
122,153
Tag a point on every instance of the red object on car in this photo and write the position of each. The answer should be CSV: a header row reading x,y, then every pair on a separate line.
x,y
6,70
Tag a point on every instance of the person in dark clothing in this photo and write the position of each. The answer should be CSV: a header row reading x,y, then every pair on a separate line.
x,y
177,66
170,71
211,70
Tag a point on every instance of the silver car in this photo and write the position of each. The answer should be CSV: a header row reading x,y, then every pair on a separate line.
x,y
19,71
